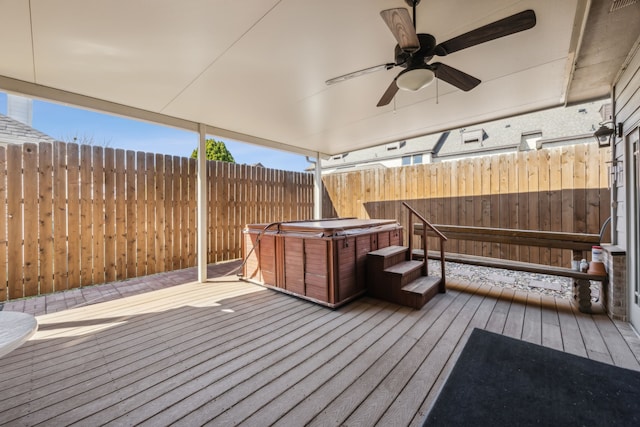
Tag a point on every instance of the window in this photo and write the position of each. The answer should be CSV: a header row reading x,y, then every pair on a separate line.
x,y
415,159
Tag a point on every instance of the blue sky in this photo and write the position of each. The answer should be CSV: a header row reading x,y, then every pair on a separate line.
x,y
65,123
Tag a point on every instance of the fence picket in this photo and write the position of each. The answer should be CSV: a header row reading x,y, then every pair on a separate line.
x,y
110,214
555,200
476,191
191,177
161,224
150,172
30,217
86,217
132,213
568,206
73,216
544,205
141,214
45,208
14,222
120,216
176,213
60,269
512,205
168,212
3,224
534,196
98,215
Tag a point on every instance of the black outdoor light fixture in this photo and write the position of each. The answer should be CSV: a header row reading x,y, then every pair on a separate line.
x,y
606,131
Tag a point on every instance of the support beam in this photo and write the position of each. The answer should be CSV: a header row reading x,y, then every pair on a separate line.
x,y
202,204
33,90
317,189
47,93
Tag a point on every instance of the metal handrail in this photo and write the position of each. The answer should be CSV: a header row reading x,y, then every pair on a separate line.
x,y
443,238
424,221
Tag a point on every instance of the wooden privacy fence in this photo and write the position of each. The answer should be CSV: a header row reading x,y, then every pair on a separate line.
x,y
77,215
557,189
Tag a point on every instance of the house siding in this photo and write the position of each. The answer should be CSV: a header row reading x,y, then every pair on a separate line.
x,y
627,112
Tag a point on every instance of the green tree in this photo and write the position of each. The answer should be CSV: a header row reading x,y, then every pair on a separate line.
x,y
216,150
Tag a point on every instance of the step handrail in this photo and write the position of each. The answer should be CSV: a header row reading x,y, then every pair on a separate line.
x,y
424,221
443,238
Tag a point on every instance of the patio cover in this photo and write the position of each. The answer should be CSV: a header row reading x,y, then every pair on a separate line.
x,y
255,70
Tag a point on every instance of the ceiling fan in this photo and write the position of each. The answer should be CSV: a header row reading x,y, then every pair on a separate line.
x,y
414,51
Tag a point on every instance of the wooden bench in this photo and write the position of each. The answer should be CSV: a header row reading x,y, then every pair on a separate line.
x,y
577,242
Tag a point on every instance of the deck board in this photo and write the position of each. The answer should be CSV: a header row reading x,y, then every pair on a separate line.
x,y
572,339
593,342
498,317
233,353
317,400
479,320
403,407
515,318
532,327
382,388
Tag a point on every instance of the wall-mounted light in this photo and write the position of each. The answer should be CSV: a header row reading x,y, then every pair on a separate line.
x,y
606,131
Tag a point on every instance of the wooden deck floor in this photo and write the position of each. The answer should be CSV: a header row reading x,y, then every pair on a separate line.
x,y
229,352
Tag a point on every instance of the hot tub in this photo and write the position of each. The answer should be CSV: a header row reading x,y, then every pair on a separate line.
x,y
323,261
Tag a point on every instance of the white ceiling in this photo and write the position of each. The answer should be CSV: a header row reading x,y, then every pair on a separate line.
x,y
255,69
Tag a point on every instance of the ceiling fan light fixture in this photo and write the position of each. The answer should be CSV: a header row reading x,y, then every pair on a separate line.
x,y
414,79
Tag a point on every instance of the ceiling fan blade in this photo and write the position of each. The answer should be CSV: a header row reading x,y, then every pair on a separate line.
x,y
401,25
504,27
388,94
454,77
359,73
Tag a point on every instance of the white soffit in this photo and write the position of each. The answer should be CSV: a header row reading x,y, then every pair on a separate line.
x,y
255,69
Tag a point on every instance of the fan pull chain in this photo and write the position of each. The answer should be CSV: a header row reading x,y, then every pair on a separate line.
x,y
437,91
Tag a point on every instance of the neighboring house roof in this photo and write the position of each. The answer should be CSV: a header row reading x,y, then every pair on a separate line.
x,y
15,132
382,152
563,125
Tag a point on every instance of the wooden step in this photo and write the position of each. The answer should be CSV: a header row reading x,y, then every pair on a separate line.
x,y
404,268
384,258
386,283
420,291
400,275
389,251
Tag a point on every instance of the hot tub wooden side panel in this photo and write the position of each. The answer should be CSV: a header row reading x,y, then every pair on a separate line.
x,y
251,253
268,260
317,269
293,248
347,268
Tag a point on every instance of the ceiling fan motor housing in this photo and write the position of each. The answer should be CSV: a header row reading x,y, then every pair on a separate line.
x,y
424,54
